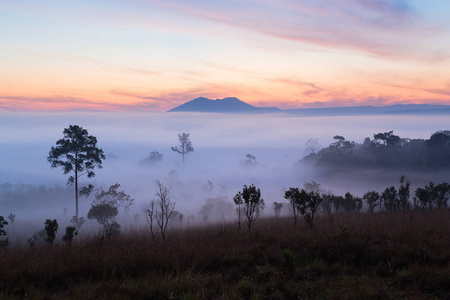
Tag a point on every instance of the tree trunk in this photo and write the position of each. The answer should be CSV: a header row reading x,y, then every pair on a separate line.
x,y
76,186
183,147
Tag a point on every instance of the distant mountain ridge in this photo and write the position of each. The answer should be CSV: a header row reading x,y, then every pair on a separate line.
x,y
234,105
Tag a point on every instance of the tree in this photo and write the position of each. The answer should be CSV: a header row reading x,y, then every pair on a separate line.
x,y
312,146
151,212
185,146
71,232
277,208
114,198
12,217
371,199
351,203
77,153
105,213
423,198
441,193
238,201
161,209
251,160
254,205
432,196
51,227
154,158
3,223
293,195
304,203
403,194
390,199
386,139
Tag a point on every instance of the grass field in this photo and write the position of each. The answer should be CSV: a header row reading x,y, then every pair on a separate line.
x,y
361,256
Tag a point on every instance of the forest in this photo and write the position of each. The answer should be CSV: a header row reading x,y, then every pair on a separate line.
x,y
387,151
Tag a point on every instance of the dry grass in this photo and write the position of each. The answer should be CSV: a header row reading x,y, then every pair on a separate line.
x,y
377,256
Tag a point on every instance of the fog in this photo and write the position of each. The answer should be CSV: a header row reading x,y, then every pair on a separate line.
x,y
220,141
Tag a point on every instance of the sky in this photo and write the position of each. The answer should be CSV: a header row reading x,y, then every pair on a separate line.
x,y
153,55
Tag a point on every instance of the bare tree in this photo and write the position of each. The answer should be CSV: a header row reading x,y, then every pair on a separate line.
x,y
151,217
163,210
185,145
312,146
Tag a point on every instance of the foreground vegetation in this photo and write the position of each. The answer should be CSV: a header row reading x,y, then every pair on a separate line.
x,y
344,256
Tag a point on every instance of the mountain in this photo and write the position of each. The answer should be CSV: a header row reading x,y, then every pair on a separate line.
x,y
400,109
226,105
234,105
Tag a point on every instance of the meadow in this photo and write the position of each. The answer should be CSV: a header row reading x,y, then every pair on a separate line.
x,y
344,256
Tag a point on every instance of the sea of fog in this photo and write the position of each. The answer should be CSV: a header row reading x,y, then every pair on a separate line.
x,y
220,141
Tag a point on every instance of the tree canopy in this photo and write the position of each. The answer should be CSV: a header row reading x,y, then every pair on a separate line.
x,y
185,146
77,153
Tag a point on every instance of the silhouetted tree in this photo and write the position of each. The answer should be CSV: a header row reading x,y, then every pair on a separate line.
x,y
439,139
71,232
386,139
351,204
371,198
185,146
3,223
162,211
51,228
305,203
423,198
77,153
294,196
403,194
441,193
151,215
105,213
253,204
432,196
390,199
114,198
3,243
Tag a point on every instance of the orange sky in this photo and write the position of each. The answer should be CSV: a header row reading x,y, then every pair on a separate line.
x,y
151,55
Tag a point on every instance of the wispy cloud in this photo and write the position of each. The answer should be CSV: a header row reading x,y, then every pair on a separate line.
x,y
68,103
379,27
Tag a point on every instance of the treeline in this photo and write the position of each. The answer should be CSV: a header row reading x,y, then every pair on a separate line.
x,y
391,199
311,200
386,150
23,196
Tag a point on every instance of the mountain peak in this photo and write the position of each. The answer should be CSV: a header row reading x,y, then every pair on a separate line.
x,y
225,105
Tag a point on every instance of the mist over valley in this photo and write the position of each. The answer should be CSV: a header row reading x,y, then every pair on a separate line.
x,y
34,191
